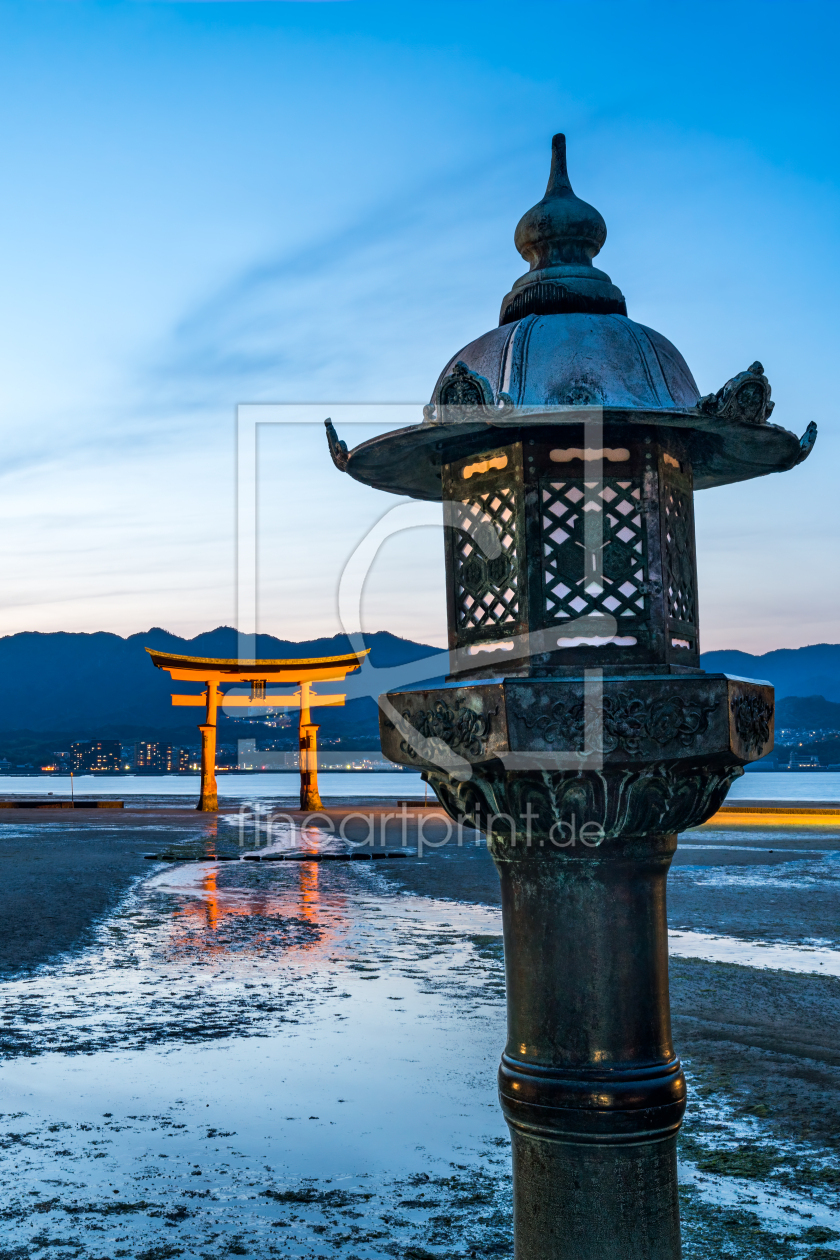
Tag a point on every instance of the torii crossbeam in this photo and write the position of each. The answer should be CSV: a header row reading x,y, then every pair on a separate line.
x,y
302,674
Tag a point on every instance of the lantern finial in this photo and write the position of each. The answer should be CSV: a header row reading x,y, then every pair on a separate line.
x,y
560,229
559,237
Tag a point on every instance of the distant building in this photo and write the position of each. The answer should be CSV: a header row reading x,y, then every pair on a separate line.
x,y
800,762
79,756
163,758
95,755
105,754
171,758
146,756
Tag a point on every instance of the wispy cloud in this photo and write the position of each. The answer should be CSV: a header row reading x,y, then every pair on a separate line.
x,y
362,312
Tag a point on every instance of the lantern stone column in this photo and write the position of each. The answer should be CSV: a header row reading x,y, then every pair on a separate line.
x,y
589,1082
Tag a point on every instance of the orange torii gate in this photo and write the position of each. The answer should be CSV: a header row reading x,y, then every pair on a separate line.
x,y
301,674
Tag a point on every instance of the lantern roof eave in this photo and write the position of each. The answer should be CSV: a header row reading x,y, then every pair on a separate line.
x,y
722,450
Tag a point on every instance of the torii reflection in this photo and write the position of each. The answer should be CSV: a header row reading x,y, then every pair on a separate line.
x,y
309,897
237,908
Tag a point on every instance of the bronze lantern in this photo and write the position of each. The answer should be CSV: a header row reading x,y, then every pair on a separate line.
x,y
576,727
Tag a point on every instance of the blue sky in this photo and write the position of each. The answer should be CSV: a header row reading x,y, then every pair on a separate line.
x,y
213,203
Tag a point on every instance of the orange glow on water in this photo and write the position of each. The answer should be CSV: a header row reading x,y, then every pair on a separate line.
x,y
211,901
309,900
208,914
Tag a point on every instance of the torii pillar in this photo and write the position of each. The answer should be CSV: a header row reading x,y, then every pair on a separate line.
x,y
208,801
310,799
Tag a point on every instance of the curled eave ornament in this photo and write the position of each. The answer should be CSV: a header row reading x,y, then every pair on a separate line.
x,y
746,397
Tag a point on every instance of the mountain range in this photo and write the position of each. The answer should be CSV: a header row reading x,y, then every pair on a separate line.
x,y
60,686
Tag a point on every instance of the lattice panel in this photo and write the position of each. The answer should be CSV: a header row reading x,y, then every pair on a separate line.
x,y
486,581
679,555
610,576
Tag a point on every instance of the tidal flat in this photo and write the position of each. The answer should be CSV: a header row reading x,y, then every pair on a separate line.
x,y
206,1057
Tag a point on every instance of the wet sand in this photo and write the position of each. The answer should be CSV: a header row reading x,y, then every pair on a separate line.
x,y
206,1058
62,873
76,869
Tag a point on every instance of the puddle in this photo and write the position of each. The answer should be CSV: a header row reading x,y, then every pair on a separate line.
x,y
200,881
781,956
261,1060
803,870
278,837
774,1206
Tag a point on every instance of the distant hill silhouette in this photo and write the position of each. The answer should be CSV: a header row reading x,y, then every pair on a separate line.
x,y
807,712
805,671
89,682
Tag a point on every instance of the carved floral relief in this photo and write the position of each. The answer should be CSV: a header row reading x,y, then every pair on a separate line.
x,y
753,715
461,729
656,798
626,720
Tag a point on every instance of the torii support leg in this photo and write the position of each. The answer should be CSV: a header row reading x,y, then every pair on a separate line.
x,y
309,798
208,802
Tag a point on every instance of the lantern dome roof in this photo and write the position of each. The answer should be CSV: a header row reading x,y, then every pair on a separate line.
x,y
579,360
565,352
564,338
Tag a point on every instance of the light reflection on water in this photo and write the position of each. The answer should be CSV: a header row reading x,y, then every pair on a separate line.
x,y
299,899
202,905
207,1069
354,784
786,785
